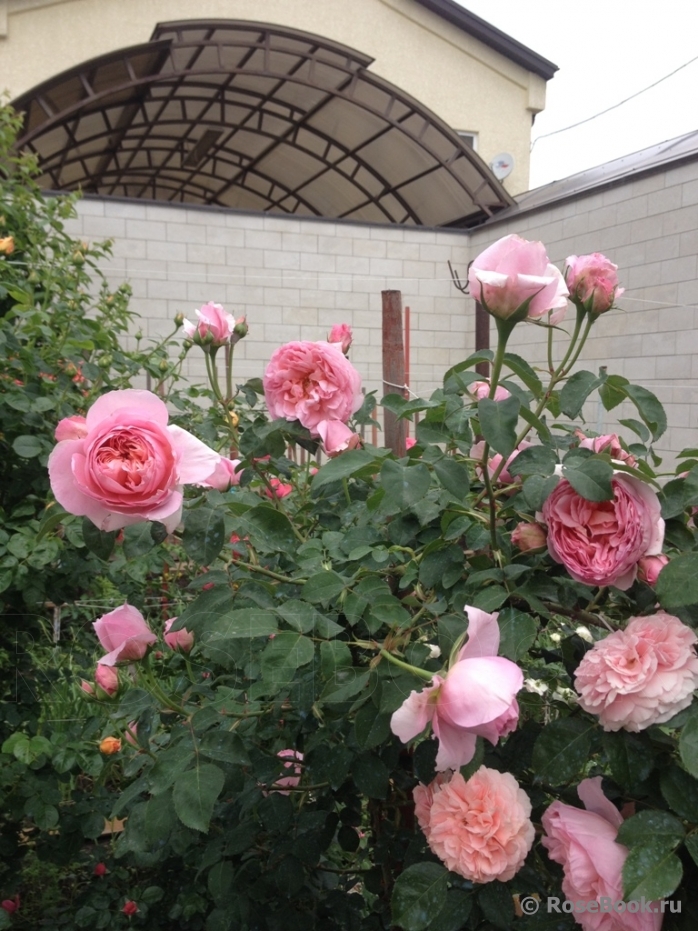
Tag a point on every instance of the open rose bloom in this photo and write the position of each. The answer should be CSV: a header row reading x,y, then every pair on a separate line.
x,y
513,275
128,465
584,844
312,383
214,327
640,676
602,542
480,828
125,634
476,698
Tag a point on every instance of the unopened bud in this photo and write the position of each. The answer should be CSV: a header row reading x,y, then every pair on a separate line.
x,y
179,320
233,418
164,365
105,361
241,329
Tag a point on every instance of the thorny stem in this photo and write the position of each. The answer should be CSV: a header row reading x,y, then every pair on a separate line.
x,y
269,573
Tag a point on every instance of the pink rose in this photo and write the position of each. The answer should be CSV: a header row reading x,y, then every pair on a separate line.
x,y
639,676
337,437
424,797
592,281
225,475
481,829
296,757
107,678
410,442
342,335
71,428
181,640
529,537
505,477
131,733
125,634
214,328
476,698
584,844
649,567
512,273
312,382
278,489
130,465
601,542
608,443
86,687
481,389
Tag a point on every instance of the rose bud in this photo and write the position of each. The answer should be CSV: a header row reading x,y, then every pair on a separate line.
x,y
181,640
107,678
649,567
342,335
99,870
110,745
130,908
593,282
528,537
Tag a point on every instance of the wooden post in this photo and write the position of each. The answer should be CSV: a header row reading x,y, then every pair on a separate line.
x,y
482,337
393,367
407,361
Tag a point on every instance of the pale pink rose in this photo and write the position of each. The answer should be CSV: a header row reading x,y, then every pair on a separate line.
x,y
86,687
214,327
125,634
584,844
608,443
514,271
226,474
278,489
107,678
410,442
312,382
639,676
423,798
130,465
649,567
529,537
337,437
181,640
131,733
476,698
505,477
481,389
342,335
601,542
295,757
592,281
481,829
71,428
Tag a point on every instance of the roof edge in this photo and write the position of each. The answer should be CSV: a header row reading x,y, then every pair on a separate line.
x,y
490,35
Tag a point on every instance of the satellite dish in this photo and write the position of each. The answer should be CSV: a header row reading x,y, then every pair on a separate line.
x,y
502,165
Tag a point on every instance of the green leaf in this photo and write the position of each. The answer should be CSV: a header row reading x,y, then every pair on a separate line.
x,y
497,904
453,476
692,847
299,615
562,750
224,746
349,464
518,631
138,540
204,535
269,530
649,408
649,826
576,390
240,624
652,871
688,745
536,460
323,587
590,478
195,794
628,757
28,446
612,391
404,485
419,895
283,655
677,585
98,541
681,792
527,375
160,819
537,489
498,421
455,912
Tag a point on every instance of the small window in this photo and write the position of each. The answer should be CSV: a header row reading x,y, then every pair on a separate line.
x,y
469,139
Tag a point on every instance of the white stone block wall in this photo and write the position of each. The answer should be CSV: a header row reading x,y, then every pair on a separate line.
x,y
294,278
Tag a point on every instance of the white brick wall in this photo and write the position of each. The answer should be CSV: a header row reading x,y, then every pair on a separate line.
x,y
295,278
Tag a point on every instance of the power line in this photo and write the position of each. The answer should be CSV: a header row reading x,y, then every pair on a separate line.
x,y
615,105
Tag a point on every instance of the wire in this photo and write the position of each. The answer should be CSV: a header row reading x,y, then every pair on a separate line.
x,y
615,105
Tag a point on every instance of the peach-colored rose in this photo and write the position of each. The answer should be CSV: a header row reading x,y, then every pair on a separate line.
x,y
529,537
337,438
226,474
601,542
481,829
7,245
71,428
129,466
312,382
476,697
584,844
342,335
125,634
592,281
109,745
607,443
214,327
514,273
481,389
424,796
649,567
181,640
107,678
639,676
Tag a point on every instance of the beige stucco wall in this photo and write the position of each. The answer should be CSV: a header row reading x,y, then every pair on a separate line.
x,y
471,86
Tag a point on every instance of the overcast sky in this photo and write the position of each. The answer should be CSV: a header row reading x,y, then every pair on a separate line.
x,y
606,50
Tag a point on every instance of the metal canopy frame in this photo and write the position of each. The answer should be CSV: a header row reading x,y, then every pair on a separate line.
x,y
259,117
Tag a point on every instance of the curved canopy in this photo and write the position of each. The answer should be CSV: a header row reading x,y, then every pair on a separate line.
x,y
255,117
